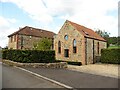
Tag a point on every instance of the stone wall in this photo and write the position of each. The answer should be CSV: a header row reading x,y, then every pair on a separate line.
x,y
72,33
36,65
87,49
23,42
92,52
12,44
26,42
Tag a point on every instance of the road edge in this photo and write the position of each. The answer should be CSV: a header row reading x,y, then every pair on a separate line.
x,y
43,77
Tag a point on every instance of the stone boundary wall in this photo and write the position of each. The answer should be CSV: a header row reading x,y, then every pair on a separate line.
x,y
36,65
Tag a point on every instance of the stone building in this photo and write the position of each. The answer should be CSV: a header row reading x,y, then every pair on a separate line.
x,y
27,36
78,43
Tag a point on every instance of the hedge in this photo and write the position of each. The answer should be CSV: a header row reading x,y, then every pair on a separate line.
x,y
111,56
70,62
29,56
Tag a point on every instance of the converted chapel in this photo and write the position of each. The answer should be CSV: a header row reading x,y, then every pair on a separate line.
x,y
77,43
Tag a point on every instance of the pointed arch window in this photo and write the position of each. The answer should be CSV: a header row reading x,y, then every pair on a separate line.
x,y
59,47
74,46
98,47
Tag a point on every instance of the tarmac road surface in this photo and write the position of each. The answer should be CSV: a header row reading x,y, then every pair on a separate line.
x,y
77,79
16,78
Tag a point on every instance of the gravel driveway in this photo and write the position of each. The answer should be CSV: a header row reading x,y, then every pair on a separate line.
x,y
109,70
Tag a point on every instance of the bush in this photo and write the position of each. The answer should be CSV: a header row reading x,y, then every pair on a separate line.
x,y
29,56
70,62
111,56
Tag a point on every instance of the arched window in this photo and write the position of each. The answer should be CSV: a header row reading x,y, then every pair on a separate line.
x,y
98,47
59,47
74,46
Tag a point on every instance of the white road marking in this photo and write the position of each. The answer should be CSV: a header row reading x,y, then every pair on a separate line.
x,y
51,80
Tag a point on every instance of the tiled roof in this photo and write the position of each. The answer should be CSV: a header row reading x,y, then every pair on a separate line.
x,y
34,32
86,31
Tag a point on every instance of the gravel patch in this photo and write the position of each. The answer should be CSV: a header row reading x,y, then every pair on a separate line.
x,y
109,70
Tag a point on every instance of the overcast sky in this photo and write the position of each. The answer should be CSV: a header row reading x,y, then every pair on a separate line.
x,y
51,15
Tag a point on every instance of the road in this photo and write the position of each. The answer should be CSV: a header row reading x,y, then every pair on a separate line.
x,y
16,78
77,79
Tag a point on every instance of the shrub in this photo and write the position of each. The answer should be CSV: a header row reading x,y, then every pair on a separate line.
x,y
70,62
29,56
110,56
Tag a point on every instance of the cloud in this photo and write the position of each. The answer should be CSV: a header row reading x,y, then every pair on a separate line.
x,y
12,20
35,9
3,22
6,29
93,14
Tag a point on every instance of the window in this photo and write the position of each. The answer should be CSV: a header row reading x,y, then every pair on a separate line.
x,y
66,37
11,39
30,37
59,47
22,42
52,43
74,46
15,38
98,47
66,52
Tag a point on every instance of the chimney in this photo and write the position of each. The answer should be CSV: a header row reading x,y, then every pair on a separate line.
x,y
19,28
30,28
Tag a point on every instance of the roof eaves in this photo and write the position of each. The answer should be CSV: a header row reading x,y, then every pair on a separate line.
x,y
17,32
95,38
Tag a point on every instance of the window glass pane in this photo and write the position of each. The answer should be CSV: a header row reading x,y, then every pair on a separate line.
x,y
74,49
66,37
66,52
98,47
59,47
74,42
74,46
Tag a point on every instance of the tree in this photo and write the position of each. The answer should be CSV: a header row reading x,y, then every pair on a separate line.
x,y
118,41
6,47
43,44
110,40
105,35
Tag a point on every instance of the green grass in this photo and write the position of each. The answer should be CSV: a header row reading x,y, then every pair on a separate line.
x,y
111,47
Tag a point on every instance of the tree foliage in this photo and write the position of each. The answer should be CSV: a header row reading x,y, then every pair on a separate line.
x,y
114,40
43,44
110,40
104,34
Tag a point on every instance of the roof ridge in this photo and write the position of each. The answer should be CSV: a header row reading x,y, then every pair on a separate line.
x,y
20,29
87,32
27,30
78,24
40,29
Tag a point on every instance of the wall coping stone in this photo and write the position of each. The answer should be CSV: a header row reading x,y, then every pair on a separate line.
x,y
36,65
